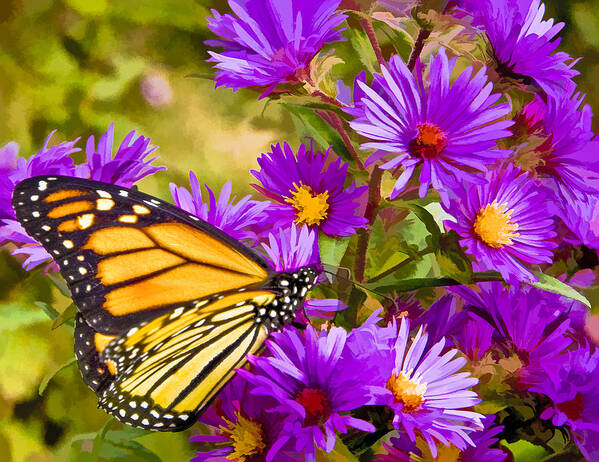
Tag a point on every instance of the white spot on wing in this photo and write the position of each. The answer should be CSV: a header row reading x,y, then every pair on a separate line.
x,y
103,194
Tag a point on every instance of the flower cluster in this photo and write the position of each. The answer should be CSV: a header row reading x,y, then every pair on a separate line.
x,y
460,186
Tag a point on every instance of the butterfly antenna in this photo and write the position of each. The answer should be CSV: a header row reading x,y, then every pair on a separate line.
x,y
329,270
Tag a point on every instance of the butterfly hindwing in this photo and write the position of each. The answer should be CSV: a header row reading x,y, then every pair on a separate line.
x,y
169,369
126,256
96,373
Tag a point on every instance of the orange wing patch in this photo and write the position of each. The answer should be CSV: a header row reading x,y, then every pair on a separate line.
x,y
65,194
101,341
118,239
200,247
183,283
120,268
70,209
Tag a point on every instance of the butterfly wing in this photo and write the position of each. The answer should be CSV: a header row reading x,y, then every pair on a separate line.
x,y
168,370
129,257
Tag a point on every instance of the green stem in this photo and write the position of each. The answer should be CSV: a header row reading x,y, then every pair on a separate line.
x,y
400,265
408,285
374,198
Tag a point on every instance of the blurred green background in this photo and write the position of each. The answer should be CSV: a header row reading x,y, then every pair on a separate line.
x,y
75,66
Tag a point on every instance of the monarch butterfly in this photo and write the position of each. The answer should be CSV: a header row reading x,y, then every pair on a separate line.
x,y
168,305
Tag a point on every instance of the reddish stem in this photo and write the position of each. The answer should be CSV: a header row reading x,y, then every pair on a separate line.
x,y
367,26
418,46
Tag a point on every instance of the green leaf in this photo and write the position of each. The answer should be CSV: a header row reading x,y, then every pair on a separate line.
x,y
361,44
67,315
401,41
340,453
451,258
525,451
312,103
50,311
429,222
14,316
316,128
550,284
60,285
49,376
332,249
407,285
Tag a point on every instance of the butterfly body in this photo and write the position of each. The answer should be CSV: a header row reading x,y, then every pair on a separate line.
x,y
169,306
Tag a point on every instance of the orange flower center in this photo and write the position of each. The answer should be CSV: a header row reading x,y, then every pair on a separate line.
x,y
316,404
408,391
494,227
430,142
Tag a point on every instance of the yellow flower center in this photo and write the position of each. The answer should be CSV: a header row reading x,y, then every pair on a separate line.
x,y
408,391
247,437
494,226
310,208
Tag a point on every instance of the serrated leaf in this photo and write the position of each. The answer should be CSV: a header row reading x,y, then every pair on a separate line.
x,y
46,380
316,128
332,249
550,284
14,316
67,315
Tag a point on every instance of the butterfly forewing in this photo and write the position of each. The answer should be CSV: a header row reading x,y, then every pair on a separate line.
x,y
129,257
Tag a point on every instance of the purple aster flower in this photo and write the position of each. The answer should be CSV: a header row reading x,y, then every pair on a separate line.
x,y
124,169
526,321
504,223
470,333
445,129
422,386
8,164
312,385
582,219
271,42
403,305
309,192
129,164
241,428
523,43
561,150
239,221
402,450
571,382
